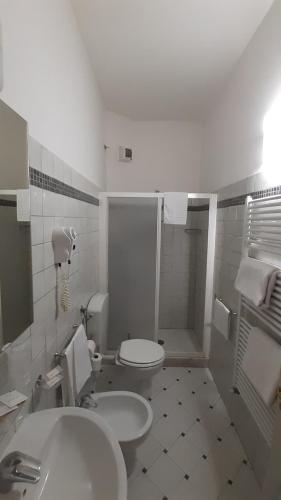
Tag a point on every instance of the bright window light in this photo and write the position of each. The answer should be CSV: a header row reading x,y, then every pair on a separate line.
x,y
271,166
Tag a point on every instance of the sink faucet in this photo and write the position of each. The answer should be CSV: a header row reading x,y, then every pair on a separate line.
x,y
17,467
88,402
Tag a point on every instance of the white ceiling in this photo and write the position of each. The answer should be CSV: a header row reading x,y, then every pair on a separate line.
x,y
165,59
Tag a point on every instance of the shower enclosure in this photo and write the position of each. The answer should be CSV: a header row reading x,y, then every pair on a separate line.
x,y
159,277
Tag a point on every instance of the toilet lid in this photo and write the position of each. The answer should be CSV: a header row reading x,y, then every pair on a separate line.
x,y
141,352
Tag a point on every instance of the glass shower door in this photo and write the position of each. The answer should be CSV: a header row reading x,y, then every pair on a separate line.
x,y
132,268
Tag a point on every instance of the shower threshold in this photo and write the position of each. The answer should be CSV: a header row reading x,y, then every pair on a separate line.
x,y
179,341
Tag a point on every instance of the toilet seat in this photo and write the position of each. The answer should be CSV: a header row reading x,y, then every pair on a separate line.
x,y
141,353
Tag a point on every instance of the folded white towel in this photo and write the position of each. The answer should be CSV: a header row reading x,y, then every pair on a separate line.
x,y
262,364
221,318
175,208
256,280
77,365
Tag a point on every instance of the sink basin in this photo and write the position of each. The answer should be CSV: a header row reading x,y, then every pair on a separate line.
x,y
81,458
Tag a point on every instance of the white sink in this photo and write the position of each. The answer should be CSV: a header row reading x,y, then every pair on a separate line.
x,y
80,455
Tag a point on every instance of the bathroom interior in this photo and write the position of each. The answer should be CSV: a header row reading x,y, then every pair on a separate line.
x,y
140,250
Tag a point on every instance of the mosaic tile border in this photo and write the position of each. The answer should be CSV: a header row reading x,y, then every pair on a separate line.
x,y
199,208
44,181
8,203
240,200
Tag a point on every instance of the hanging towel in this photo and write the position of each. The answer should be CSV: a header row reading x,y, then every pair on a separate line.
x,y
262,364
175,208
256,280
77,366
221,318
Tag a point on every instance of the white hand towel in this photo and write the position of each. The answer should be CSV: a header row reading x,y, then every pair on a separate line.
x,y
262,364
77,365
221,318
256,280
175,208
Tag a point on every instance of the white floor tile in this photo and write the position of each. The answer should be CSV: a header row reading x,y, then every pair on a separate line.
x,y
196,406
149,451
195,377
179,390
216,420
189,394
167,376
142,488
186,490
202,438
225,461
169,427
164,432
232,443
208,480
136,470
165,474
185,455
162,404
244,487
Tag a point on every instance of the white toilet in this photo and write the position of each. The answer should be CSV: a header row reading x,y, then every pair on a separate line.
x,y
142,358
129,415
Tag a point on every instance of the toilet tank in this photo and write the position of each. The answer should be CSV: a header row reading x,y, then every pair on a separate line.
x,y
98,320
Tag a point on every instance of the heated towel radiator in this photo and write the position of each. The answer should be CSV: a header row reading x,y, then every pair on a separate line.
x,y
262,241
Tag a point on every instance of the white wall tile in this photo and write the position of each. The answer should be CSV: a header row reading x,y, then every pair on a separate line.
x,y
36,198
37,258
47,162
34,154
48,227
58,169
32,353
48,255
36,230
49,278
38,286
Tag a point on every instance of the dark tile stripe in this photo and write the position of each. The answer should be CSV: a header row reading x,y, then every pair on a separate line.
x,y
240,200
8,203
44,181
230,202
198,208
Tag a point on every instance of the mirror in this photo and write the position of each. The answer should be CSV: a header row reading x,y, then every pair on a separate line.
x,y
16,298
13,150
1,60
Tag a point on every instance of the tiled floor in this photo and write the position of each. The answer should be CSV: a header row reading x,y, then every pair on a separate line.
x,y
179,340
192,451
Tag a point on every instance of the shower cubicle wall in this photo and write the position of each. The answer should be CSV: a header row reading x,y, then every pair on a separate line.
x,y
132,252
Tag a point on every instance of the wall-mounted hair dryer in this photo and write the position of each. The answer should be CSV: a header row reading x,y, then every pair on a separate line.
x,y
63,243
